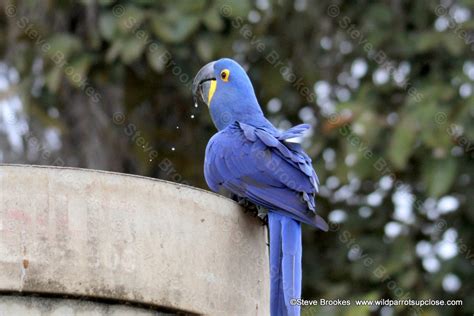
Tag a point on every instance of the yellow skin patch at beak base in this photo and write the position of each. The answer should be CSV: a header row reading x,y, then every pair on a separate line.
x,y
212,89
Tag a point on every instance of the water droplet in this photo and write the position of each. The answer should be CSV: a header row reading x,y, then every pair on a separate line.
x,y
195,105
192,116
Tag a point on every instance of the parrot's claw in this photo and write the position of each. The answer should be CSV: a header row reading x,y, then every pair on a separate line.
x,y
262,213
242,202
252,209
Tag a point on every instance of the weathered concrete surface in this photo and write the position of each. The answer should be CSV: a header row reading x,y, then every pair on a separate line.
x,y
39,306
108,235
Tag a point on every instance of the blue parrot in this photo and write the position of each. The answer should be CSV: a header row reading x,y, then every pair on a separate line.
x,y
255,161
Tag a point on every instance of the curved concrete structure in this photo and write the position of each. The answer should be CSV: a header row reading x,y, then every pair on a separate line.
x,y
101,235
40,306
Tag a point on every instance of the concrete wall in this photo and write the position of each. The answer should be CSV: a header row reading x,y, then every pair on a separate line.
x,y
40,306
132,239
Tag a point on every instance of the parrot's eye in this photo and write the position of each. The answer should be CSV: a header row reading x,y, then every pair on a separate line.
x,y
225,75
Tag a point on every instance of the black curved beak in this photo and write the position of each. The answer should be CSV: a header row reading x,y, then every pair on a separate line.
x,y
202,84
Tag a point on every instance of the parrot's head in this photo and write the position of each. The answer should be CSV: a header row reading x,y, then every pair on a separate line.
x,y
223,85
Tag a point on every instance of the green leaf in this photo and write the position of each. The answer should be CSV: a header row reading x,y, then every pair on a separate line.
x,y
380,13
401,145
107,26
230,8
187,6
131,49
76,71
173,26
53,78
439,175
453,43
63,45
409,279
213,20
130,19
432,132
157,56
426,41
204,47
114,51
105,2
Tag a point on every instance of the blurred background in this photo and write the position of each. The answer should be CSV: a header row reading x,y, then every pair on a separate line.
x,y
386,85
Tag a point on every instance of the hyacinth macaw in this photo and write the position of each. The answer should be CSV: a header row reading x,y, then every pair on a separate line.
x,y
253,160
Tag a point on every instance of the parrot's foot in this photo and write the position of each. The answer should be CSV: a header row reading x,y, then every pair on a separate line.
x,y
252,209
263,215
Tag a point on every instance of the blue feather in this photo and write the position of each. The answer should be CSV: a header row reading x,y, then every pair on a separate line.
x,y
285,264
255,168
261,173
252,159
295,131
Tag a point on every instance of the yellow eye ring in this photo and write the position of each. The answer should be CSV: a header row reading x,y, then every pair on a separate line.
x,y
225,75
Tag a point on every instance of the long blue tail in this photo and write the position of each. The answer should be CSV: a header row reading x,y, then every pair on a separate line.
x,y
285,264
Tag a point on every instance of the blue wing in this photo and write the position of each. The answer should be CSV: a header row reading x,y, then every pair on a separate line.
x,y
257,164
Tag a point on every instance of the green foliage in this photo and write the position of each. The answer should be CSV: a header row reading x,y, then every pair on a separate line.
x,y
439,175
403,139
